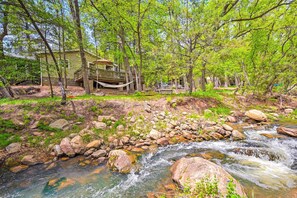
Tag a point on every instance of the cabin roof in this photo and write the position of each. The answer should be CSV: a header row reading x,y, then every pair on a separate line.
x,y
103,61
69,51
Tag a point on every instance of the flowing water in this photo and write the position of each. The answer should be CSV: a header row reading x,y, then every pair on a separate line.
x,y
265,167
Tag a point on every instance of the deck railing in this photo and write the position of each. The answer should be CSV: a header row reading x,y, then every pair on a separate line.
x,y
100,75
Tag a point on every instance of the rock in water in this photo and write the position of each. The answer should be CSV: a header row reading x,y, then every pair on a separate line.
x,y
99,153
19,168
236,135
189,171
55,185
59,124
287,131
29,160
227,127
77,144
13,148
120,161
66,147
256,115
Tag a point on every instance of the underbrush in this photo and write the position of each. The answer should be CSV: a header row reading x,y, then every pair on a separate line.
x,y
215,113
207,94
8,138
8,125
208,187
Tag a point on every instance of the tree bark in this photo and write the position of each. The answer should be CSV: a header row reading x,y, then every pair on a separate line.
x,y
6,89
190,78
63,93
47,70
203,76
126,60
4,33
138,80
63,46
74,6
226,81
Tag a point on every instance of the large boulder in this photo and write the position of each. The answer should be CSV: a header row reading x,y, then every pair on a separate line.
x,y
120,161
256,115
287,131
77,144
59,124
189,171
154,134
66,147
13,148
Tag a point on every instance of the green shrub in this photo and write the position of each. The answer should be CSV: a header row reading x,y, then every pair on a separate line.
x,y
207,94
231,190
45,127
220,110
206,187
6,125
7,138
121,121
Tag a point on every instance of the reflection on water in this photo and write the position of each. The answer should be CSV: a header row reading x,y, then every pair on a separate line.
x,y
266,168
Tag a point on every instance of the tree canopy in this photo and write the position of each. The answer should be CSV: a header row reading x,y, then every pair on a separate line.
x,y
249,44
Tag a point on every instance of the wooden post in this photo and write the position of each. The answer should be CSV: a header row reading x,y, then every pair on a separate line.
x,y
91,86
120,88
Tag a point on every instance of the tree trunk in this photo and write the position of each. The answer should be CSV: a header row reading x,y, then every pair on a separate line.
x,y
226,81
138,80
64,58
4,33
63,93
126,60
63,46
1,48
186,85
76,18
47,70
6,89
203,76
190,78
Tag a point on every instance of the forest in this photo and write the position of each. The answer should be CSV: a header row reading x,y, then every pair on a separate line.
x,y
247,44
148,98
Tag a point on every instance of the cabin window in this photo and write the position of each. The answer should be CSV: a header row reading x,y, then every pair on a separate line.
x,y
109,68
64,63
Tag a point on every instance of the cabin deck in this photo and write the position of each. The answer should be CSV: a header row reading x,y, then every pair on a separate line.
x,y
100,75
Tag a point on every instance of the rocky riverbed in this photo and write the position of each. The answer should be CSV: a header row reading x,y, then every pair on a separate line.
x,y
120,140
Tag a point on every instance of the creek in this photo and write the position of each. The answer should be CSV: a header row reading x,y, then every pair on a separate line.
x,y
266,167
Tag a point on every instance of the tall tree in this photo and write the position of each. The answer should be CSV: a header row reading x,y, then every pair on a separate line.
x,y
29,15
75,12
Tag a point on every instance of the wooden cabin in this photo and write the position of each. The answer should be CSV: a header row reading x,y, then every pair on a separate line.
x,y
98,69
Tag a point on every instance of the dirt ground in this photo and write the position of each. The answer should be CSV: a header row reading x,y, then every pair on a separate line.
x,y
70,91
